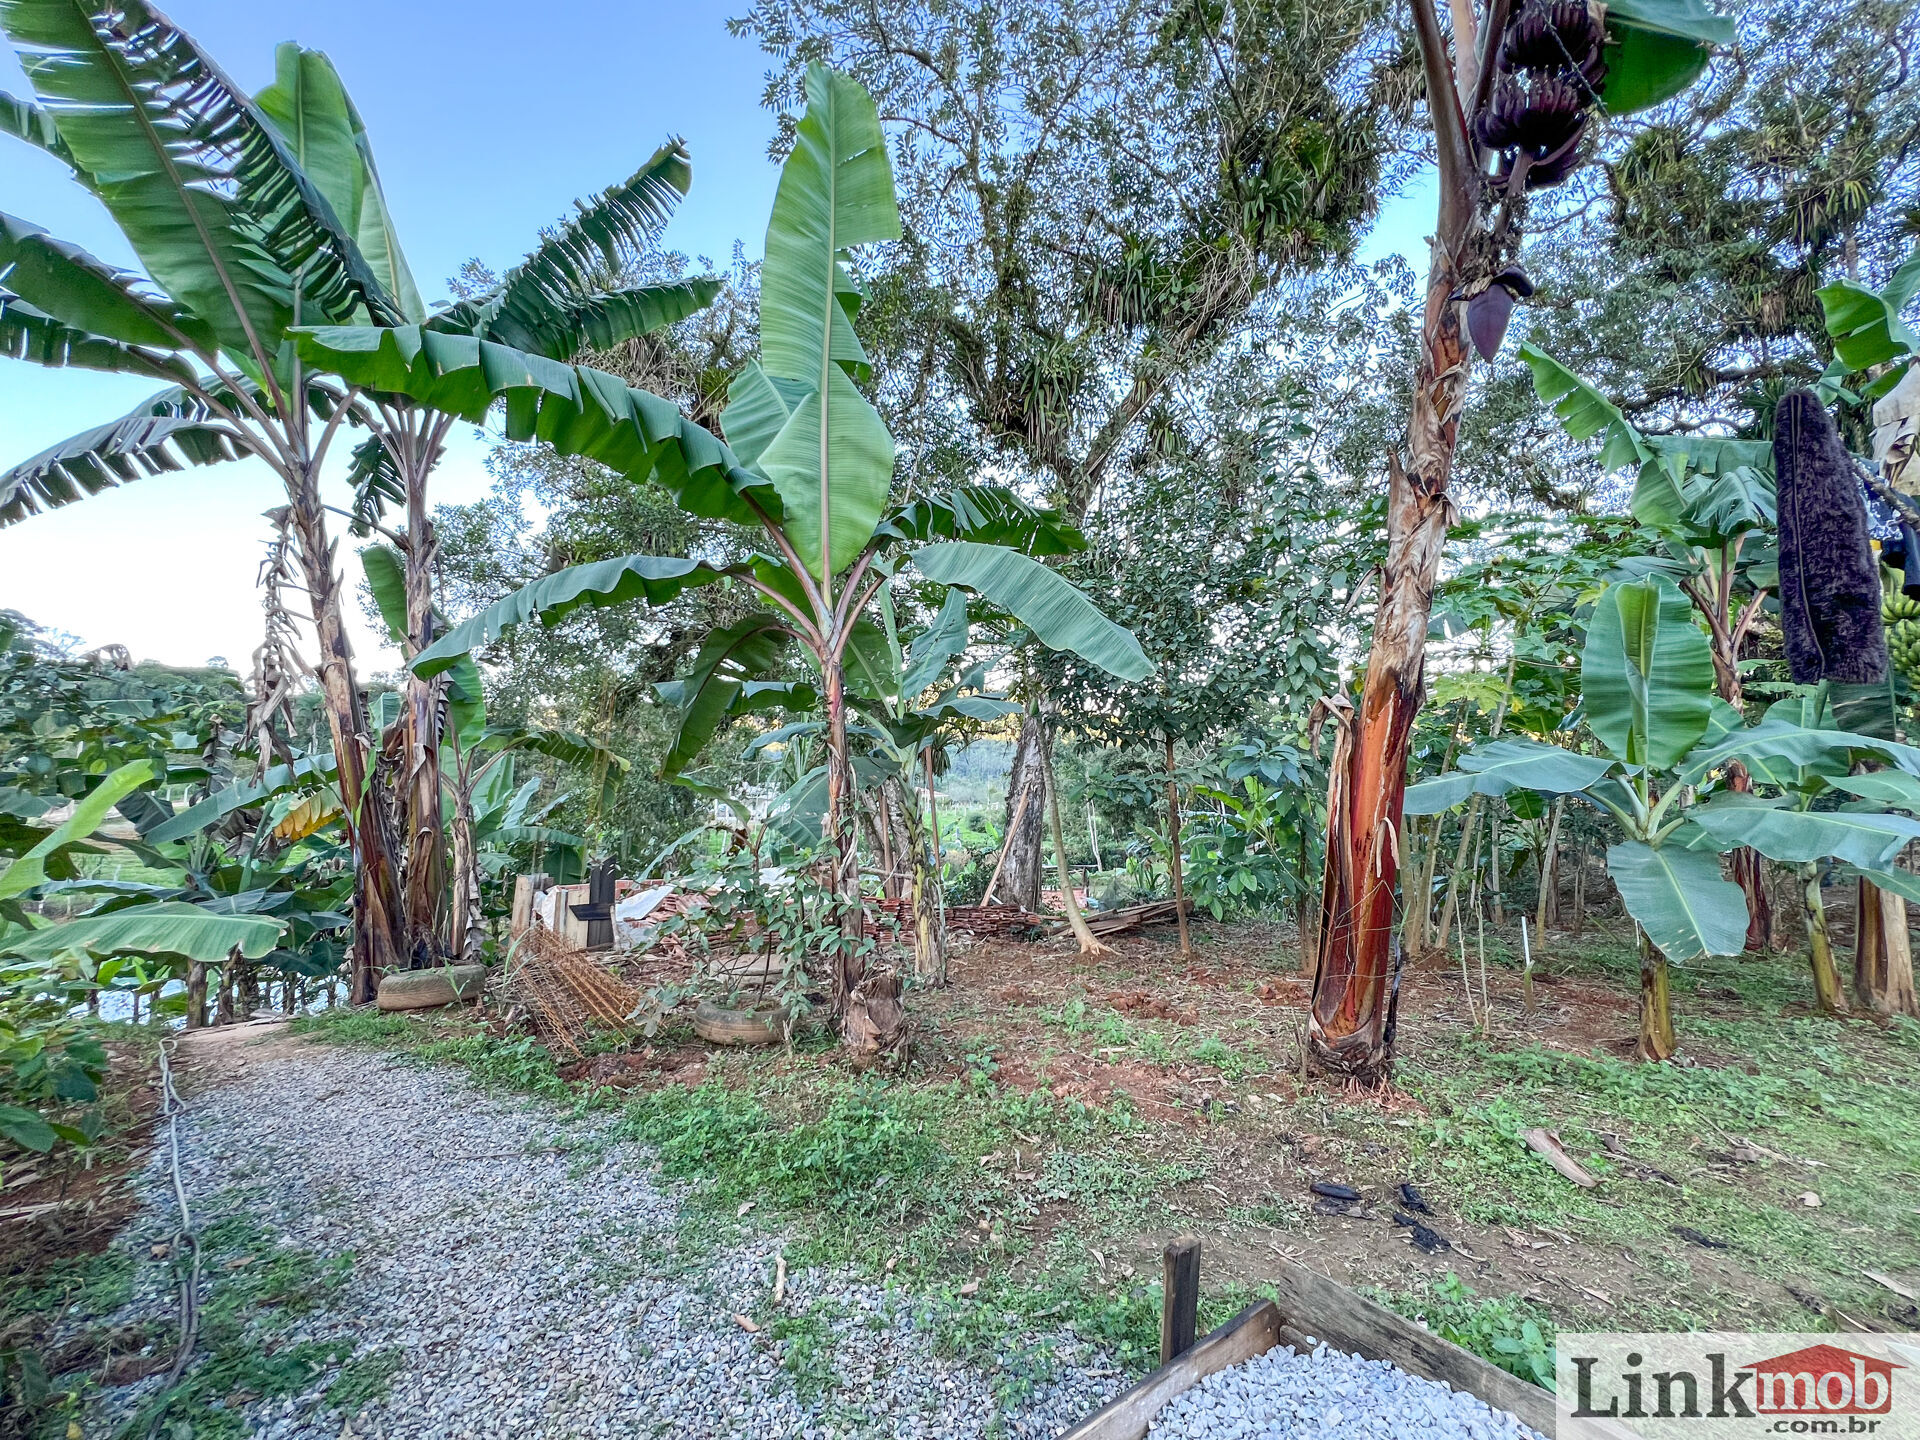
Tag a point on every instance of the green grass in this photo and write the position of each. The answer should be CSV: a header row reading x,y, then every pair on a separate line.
x,y
364,1379
258,1290
808,1347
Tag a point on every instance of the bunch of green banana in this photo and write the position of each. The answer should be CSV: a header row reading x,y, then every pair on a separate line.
x,y
1902,617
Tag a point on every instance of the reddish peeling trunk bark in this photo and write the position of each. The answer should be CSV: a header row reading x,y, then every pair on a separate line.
x,y
379,922
1351,1024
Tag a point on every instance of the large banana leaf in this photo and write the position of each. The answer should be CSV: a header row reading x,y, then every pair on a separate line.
x,y
1699,489
30,122
1584,412
552,598
88,815
836,191
309,106
307,772
1646,674
1503,765
609,318
936,646
387,581
729,659
1865,324
832,458
540,305
168,432
1882,787
846,435
579,410
1796,836
197,179
29,333
90,295
1679,899
1784,737
566,746
1903,883
167,927
1051,607
990,514
1706,492
1656,49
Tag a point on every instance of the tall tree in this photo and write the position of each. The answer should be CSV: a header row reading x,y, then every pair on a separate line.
x,y
1096,196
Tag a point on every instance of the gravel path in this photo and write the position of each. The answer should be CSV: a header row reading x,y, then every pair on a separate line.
x,y
526,1293
1325,1395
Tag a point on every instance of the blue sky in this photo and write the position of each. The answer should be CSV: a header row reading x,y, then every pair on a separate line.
x,y
487,123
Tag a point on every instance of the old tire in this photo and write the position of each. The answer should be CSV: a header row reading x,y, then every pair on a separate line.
x,y
431,989
718,1025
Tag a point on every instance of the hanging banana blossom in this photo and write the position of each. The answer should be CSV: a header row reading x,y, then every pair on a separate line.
x,y
1546,86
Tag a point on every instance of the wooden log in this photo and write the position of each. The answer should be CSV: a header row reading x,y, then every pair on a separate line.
x,y
1254,1331
1330,1312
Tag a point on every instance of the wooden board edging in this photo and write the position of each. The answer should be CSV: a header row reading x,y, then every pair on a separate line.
x,y
1254,1331
1310,1309
1328,1311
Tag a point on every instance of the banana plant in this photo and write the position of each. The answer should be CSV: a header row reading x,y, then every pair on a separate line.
x,y
807,464
568,293
1710,500
237,245
1867,329
1670,746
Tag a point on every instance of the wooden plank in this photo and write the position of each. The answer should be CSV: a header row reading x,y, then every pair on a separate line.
x,y
1330,1312
1254,1331
1180,1297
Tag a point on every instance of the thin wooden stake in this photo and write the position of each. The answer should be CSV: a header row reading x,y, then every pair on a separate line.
x,y
1180,1297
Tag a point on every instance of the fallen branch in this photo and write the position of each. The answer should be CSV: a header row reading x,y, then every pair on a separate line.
x,y
1547,1146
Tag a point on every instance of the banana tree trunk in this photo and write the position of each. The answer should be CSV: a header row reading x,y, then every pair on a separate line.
x,y
866,1003
468,930
196,994
1657,1040
379,916
1826,975
930,899
1712,598
1882,953
1023,860
426,839
1348,1030
1546,909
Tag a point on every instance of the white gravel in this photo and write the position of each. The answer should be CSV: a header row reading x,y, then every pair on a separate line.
x,y
530,1293
1327,1395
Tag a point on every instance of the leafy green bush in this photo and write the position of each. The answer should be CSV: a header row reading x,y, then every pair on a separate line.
x,y
51,1066
1501,1329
